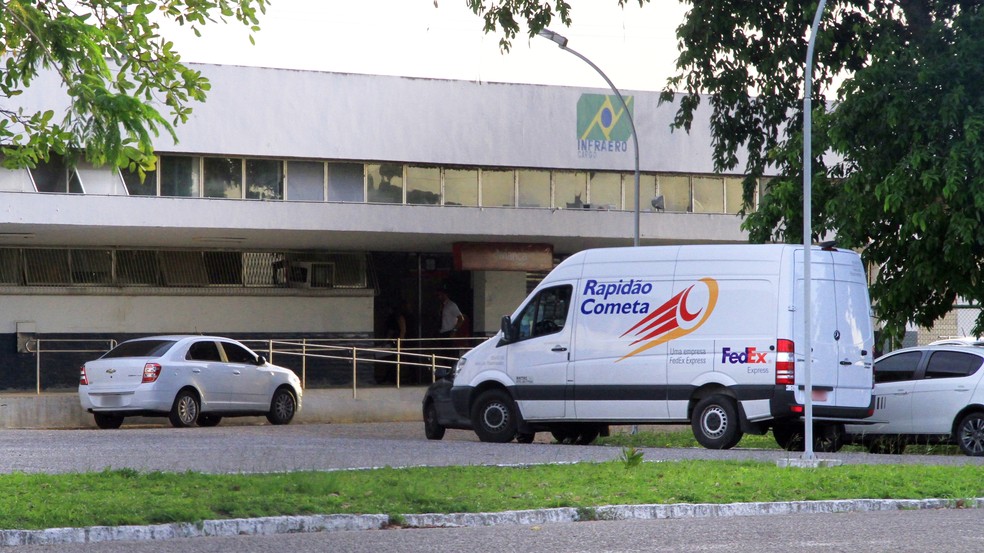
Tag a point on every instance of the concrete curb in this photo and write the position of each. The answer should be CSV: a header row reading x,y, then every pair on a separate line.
x,y
335,523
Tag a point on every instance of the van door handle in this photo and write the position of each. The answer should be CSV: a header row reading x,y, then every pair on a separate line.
x,y
559,348
846,362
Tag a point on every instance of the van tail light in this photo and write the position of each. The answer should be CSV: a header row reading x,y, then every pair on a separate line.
x,y
83,379
785,362
151,372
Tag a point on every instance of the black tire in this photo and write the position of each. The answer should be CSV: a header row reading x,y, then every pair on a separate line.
x,y
108,421
788,435
587,436
970,434
885,445
208,420
432,428
283,406
715,423
564,435
185,410
494,417
525,438
828,438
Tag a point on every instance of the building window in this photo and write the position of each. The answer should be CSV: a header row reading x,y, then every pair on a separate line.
x,y
183,269
224,268
47,267
606,190
137,268
346,182
384,183
676,192
264,179
732,194
135,186
423,185
51,175
306,181
223,177
570,189
461,187
498,188
708,194
534,188
180,176
100,180
647,191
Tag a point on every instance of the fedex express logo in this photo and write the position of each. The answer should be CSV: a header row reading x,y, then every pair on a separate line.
x,y
748,356
679,316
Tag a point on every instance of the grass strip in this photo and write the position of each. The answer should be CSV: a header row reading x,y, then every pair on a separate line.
x,y
119,497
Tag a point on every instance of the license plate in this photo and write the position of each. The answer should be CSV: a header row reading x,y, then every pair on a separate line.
x,y
819,395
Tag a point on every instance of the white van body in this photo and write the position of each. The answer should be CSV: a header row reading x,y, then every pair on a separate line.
x,y
646,335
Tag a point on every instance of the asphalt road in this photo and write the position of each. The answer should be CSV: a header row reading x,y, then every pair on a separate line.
x,y
267,448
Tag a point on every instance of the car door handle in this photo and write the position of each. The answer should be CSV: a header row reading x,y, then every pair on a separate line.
x,y
559,348
196,370
235,371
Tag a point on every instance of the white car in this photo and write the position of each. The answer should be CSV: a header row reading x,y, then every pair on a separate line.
x,y
190,379
928,394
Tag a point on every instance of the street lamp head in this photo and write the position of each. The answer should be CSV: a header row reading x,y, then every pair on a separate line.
x,y
550,35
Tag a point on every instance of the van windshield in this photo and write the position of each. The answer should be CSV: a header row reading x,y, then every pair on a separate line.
x,y
140,348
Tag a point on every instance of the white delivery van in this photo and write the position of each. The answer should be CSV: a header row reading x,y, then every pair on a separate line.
x,y
707,335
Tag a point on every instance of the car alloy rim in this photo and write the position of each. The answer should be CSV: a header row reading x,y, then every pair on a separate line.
x,y
186,409
285,406
972,435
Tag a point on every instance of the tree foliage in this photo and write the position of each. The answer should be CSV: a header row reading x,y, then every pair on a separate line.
x,y
119,75
905,183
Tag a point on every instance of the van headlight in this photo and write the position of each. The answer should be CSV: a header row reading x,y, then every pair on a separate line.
x,y
458,367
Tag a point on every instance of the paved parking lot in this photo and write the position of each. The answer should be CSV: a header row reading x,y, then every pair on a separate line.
x,y
265,448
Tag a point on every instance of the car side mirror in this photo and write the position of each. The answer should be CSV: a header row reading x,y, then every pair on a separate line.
x,y
260,361
508,330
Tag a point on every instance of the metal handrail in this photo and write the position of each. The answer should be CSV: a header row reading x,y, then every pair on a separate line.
x,y
40,349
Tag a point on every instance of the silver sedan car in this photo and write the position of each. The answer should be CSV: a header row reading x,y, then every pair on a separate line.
x,y
189,379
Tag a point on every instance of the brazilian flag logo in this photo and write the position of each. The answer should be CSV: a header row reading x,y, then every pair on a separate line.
x,y
602,117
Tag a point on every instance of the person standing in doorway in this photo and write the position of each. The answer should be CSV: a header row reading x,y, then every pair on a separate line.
x,y
451,317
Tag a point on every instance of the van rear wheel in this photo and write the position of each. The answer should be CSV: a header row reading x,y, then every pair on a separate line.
x,y
715,423
494,417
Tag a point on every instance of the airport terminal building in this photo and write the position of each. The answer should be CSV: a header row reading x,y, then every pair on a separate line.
x,y
302,203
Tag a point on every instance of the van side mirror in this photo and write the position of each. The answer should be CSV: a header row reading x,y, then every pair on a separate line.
x,y
508,330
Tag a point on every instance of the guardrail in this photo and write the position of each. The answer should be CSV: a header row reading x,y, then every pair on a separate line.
x,y
36,346
421,356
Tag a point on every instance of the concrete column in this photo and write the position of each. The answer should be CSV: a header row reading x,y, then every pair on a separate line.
x,y
497,293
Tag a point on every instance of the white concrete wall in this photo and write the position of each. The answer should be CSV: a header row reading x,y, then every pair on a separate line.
x,y
173,314
497,293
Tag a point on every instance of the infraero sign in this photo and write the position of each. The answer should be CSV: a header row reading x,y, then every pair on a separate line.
x,y
603,127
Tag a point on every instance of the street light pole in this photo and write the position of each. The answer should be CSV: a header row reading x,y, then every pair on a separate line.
x,y
561,41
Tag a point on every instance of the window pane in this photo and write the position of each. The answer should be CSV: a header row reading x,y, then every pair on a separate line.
x,y
183,269
708,195
46,267
498,189
264,179
51,176
346,182
952,364
534,188
223,177
9,266
732,194
92,266
384,182
16,180
137,188
306,181
675,191
136,267
423,185
606,190
224,268
101,180
647,191
179,176
898,367
570,189
461,187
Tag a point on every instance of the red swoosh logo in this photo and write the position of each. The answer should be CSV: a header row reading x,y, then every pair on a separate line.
x,y
663,324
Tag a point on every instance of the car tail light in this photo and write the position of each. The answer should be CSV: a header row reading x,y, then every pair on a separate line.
x,y
151,372
83,379
785,362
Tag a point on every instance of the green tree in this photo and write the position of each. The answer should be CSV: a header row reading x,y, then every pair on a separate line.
x,y
906,125
117,72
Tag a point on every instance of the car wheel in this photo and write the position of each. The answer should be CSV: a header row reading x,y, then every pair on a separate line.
x,y
828,438
209,420
970,434
564,435
432,428
715,423
184,412
282,407
789,436
494,417
586,436
107,421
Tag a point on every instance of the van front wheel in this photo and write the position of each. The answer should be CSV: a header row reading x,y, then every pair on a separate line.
x,y
494,417
715,423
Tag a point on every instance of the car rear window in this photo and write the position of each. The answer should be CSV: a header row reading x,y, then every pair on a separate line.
x,y
140,348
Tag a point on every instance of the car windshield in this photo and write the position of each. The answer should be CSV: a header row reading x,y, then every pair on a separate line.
x,y
140,348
